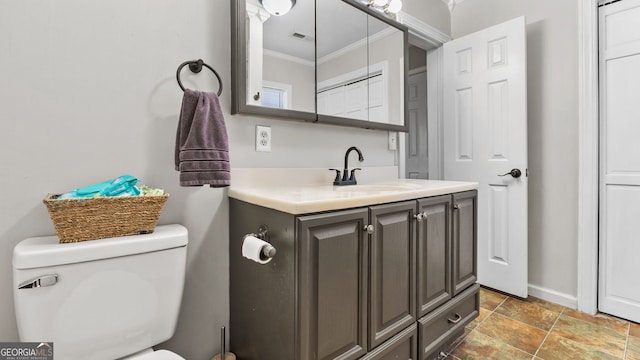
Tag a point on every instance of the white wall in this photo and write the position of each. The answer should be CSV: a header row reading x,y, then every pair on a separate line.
x,y
301,77
88,92
432,12
552,59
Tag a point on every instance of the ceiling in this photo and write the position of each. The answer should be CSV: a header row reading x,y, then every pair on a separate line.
x,y
338,25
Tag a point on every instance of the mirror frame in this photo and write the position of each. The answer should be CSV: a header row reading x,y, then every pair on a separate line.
x,y
239,76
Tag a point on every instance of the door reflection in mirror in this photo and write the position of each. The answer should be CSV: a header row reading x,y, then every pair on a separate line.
x,y
360,65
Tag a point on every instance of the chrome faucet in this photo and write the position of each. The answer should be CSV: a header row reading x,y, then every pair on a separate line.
x,y
347,179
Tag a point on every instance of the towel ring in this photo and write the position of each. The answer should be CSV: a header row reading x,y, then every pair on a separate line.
x,y
196,66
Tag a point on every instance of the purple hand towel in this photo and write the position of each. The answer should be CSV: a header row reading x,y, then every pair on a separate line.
x,y
202,146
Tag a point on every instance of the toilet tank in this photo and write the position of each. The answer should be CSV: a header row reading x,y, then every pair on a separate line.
x,y
100,299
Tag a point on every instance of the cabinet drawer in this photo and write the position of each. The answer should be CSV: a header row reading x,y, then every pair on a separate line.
x,y
446,321
400,347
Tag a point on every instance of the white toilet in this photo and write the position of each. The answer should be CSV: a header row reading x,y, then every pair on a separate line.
x,y
102,299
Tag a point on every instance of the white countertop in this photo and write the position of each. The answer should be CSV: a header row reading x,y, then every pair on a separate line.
x,y
317,197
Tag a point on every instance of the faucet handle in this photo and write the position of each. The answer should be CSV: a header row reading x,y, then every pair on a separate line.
x,y
337,175
353,174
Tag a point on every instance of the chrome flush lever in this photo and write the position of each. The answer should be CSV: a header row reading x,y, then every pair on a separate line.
x,y
45,280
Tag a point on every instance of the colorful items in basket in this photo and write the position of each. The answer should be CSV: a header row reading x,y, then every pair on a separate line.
x,y
124,185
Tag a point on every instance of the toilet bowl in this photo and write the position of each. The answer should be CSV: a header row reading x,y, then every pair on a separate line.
x,y
101,299
155,355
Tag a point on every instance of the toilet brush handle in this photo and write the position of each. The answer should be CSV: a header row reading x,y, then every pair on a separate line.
x,y
222,340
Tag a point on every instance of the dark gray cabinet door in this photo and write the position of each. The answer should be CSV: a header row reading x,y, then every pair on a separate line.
x,y
403,346
434,253
392,271
465,232
332,300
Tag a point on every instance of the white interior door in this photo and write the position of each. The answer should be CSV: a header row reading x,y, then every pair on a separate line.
x,y
619,288
417,163
485,136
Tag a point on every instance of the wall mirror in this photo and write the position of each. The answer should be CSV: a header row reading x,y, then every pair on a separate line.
x,y
273,60
328,61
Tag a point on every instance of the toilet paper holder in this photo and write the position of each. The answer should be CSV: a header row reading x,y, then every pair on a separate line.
x,y
263,234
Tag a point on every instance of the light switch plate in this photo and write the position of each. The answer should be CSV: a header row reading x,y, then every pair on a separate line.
x,y
393,140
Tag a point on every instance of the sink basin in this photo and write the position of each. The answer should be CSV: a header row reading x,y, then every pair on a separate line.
x,y
376,188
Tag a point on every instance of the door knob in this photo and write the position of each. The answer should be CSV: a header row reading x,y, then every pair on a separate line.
x,y
516,173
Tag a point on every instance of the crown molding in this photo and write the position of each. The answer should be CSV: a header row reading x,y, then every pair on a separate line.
x,y
422,29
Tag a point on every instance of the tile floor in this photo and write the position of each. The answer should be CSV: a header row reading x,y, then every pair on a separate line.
x,y
533,329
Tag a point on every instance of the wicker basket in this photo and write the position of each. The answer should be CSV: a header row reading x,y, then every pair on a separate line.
x,y
78,220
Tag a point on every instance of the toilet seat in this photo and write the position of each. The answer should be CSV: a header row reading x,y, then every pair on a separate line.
x,y
159,355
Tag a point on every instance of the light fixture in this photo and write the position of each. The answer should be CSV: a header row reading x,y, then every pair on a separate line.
x,y
277,7
388,6
394,6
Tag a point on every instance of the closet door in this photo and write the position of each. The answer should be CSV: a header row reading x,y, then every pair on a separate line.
x,y
619,293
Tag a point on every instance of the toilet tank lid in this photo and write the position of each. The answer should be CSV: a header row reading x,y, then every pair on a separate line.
x,y
47,251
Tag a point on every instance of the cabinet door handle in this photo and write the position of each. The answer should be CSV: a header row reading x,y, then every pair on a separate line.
x,y
420,216
456,207
456,320
368,229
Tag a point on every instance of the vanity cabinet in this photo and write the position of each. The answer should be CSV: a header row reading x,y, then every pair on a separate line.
x,y
372,283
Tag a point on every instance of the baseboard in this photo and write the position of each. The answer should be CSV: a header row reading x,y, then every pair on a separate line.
x,y
553,296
